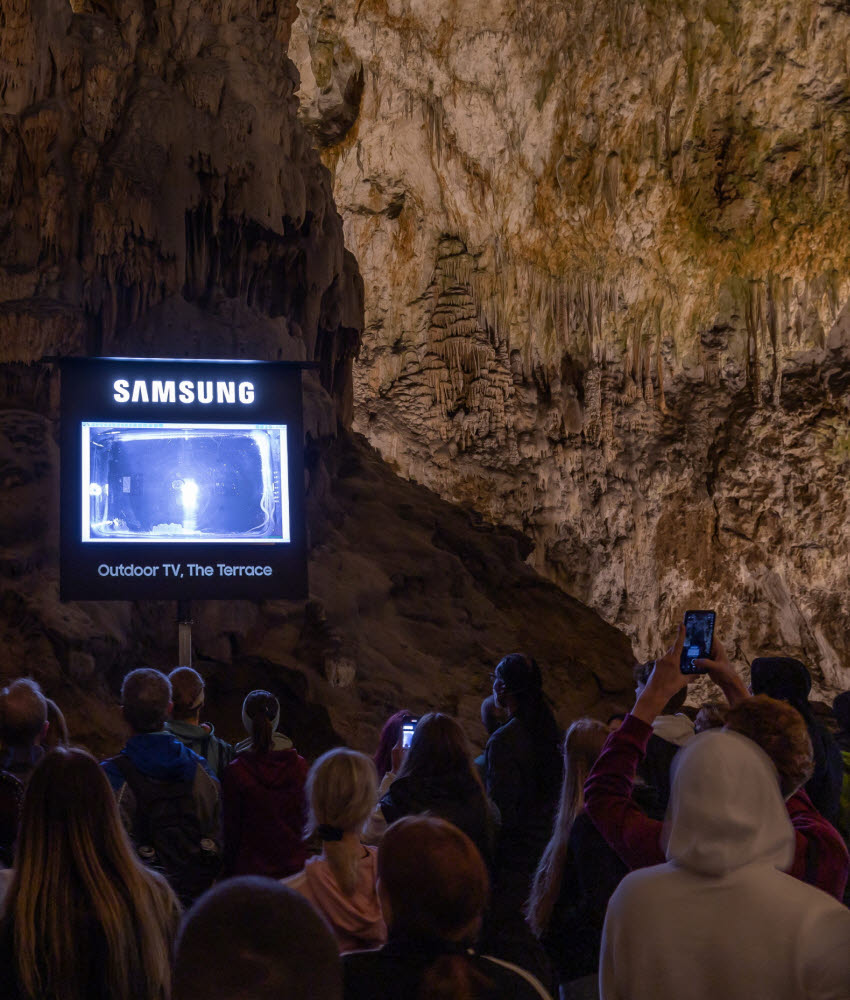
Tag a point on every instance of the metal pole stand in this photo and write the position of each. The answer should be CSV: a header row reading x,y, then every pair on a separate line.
x,y
184,633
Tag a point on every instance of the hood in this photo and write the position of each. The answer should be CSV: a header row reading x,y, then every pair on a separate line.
x,y
359,915
189,731
275,769
726,810
675,729
162,756
279,742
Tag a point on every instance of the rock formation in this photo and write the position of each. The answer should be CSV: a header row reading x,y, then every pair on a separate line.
x,y
606,275
158,196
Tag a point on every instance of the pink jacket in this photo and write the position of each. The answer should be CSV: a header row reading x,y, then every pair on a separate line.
x,y
356,920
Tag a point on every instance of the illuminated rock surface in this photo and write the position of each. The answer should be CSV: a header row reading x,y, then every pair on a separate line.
x,y
159,197
606,267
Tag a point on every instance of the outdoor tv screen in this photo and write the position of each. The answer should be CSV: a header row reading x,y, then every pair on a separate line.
x,y
207,505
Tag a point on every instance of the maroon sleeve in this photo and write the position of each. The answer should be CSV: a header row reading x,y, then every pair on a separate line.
x,y
608,797
820,854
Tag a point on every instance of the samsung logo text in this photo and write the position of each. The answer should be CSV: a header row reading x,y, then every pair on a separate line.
x,y
171,391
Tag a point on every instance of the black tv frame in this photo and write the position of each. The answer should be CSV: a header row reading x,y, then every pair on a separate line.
x,y
122,391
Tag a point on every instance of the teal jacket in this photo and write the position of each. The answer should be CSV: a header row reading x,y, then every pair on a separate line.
x,y
204,742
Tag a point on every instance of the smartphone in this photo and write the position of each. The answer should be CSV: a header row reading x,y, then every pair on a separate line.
x,y
407,729
699,634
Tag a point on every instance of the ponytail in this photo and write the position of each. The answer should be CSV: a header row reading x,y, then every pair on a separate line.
x,y
260,716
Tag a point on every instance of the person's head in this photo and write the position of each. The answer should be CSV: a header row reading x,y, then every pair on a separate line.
x,y
641,673
516,680
342,790
841,711
784,678
432,881
23,714
726,808
146,700
57,727
252,938
74,870
492,717
781,732
389,738
187,694
439,748
260,716
582,745
711,715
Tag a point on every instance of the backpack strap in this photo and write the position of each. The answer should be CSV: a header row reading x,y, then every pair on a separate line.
x,y
146,791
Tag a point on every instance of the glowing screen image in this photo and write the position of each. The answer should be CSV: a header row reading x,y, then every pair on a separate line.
x,y
150,482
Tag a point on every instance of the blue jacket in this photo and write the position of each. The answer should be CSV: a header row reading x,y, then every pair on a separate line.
x,y
158,755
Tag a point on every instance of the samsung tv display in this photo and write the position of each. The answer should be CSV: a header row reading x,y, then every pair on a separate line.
x,y
181,479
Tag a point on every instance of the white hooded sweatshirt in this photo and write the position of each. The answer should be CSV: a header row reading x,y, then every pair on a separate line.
x,y
721,920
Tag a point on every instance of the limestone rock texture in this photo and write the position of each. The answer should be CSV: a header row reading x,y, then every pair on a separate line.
x,y
159,197
606,269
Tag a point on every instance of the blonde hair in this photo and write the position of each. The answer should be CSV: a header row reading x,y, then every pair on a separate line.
x,y
342,788
78,887
582,745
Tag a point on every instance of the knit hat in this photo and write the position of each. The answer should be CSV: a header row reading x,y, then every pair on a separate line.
x,y
784,678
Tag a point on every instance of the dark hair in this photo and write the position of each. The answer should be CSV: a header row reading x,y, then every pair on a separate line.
x,y
841,710
437,885
145,696
523,681
187,692
439,747
784,678
389,737
23,713
250,937
262,708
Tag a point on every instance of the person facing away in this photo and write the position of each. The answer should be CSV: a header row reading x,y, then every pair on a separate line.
x,y
23,727
169,800
340,883
438,777
263,799
670,731
251,938
523,765
787,679
433,885
83,919
187,697
721,918
576,875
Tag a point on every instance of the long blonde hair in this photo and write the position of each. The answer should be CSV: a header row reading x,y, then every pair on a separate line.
x,y
582,745
342,788
79,898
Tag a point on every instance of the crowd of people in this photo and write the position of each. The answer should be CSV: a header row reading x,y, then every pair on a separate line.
x,y
670,853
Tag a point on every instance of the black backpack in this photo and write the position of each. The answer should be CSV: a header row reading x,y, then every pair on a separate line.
x,y
166,832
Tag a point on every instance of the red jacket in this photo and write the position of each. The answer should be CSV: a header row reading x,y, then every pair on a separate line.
x,y
264,811
820,856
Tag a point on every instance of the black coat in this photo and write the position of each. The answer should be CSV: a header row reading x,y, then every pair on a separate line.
x,y
456,797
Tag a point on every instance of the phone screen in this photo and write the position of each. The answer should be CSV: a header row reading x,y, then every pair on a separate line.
x,y
407,733
699,633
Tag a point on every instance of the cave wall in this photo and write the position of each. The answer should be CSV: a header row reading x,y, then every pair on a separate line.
x,y
159,197
606,289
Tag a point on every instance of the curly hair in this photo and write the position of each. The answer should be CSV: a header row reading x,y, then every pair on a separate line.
x,y
781,732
